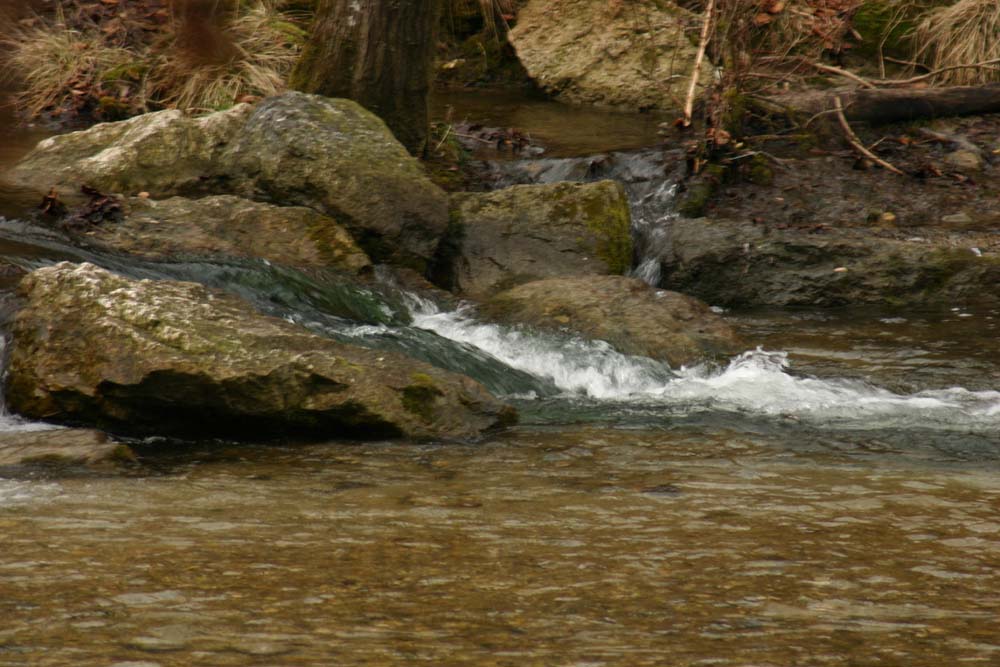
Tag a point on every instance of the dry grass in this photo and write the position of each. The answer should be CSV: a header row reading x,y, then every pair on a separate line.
x,y
964,33
261,48
67,67
493,12
57,65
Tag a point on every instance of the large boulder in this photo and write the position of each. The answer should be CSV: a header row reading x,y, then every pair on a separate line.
x,y
338,158
631,55
163,153
165,357
735,263
625,312
529,232
330,155
230,226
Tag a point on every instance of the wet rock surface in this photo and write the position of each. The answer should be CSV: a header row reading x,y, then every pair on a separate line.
x,y
230,226
167,357
525,233
61,447
292,149
740,263
633,317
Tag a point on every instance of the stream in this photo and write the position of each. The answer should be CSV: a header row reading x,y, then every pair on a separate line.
x,y
829,497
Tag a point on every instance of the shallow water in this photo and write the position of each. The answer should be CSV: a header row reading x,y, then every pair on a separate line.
x,y
831,497
567,546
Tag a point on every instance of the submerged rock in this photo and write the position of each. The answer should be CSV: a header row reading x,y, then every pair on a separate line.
x,y
163,153
735,263
62,447
331,155
633,317
230,226
338,158
166,357
528,232
633,55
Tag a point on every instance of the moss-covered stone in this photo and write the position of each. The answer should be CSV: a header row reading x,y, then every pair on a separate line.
x,y
524,233
230,226
165,357
293,149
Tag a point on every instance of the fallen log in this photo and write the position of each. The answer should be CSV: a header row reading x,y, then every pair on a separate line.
x,y
892,105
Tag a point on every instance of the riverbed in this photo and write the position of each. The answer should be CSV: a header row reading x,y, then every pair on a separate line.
x,y
830,497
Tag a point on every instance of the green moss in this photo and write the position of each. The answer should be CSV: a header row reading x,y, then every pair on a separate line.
x,y
759,171
700,191
610,222
420,397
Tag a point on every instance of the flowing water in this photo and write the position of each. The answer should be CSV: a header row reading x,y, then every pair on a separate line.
x,y
829,497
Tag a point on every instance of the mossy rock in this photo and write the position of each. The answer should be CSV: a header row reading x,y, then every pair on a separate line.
x,y
528,232
143,357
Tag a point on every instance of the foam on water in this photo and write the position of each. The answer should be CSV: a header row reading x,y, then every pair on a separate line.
x,y
755,382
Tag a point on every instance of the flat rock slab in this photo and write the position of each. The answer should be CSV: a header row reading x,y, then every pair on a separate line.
x,y
175,358
62,447
625,312
230,226
737,263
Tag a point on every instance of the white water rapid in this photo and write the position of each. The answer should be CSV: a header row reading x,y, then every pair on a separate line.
x,y
756,382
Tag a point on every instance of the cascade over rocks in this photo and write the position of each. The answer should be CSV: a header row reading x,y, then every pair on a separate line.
x,y
735,263
230,226
165,357
633,317
330,155
528,232
630,55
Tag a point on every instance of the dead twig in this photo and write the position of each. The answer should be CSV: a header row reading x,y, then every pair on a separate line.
x,y
933,73
844,73
696,69
853,140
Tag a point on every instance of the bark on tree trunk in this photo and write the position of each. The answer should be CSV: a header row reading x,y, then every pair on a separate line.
x,y
378,53
893,105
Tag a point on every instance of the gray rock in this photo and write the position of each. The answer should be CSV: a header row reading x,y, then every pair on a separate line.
x,y
528,232
734,263
293,149
163,153
168,357
230,226
633,317
633,55
334,156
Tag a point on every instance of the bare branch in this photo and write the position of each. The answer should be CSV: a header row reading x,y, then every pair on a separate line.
x,y
853,140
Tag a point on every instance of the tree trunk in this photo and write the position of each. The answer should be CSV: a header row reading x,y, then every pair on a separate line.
x,y
378,53
893,105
